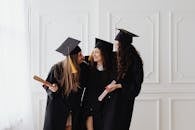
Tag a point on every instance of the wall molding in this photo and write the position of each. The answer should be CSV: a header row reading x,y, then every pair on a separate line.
x,y
175,75
153,19
157,101
46,21
171,100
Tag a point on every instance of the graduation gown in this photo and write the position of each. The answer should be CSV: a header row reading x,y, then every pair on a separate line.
x,y
60,106
131,86
97,82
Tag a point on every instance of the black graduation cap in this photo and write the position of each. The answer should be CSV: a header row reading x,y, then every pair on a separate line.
x,y
106,49
69,47
103,45
124,36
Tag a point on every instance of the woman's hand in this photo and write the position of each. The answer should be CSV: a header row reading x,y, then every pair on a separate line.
x,y
113,87
53,88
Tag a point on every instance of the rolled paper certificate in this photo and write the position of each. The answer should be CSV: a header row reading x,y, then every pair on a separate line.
x,y
101,97
45,83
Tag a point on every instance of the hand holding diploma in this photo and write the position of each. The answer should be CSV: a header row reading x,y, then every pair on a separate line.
x,y
106,91
52,87
111,87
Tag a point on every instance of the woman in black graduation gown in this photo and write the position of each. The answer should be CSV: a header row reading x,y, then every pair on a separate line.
x,y
129,77
100,75
64,97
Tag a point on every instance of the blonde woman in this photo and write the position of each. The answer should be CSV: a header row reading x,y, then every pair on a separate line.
x,y
64,97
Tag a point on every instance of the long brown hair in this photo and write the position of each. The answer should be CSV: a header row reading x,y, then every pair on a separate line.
x,y
69,80
125,57
106,60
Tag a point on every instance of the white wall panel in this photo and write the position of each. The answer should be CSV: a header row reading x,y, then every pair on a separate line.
x,y
146,25
75,26
146,108
181,113
181,40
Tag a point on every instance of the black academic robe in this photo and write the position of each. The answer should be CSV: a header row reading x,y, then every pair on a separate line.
x,y
97,82
131,86
115,111
60,106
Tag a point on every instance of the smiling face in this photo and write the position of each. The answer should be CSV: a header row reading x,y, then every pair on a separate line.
x,y
80,57
97,57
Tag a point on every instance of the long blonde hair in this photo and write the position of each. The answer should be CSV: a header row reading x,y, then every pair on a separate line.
x,y
70,81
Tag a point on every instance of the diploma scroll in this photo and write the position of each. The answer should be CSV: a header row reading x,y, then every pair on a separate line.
x,y
101,97
45,83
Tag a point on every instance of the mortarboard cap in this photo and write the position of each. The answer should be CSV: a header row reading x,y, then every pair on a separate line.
x,y
124,36
103,45
69,47
106,49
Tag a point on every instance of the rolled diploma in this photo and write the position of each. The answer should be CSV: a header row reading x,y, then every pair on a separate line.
x,y
101,97
45,83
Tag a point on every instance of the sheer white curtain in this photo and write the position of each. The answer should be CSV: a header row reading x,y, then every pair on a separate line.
x,y
15,103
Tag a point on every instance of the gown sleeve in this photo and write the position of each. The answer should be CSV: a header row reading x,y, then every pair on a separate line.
x,y
52,79
131,84
87,107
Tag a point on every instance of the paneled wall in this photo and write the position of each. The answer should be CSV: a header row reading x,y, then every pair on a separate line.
x,y
166,44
